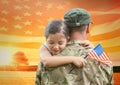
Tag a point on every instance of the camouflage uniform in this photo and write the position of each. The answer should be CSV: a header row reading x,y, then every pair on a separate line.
x,y
49,76
93,73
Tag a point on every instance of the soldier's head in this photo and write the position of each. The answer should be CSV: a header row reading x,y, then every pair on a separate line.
x,y
77,19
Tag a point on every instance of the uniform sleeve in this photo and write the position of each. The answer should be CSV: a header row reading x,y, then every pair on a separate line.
x,y
108,73
97,73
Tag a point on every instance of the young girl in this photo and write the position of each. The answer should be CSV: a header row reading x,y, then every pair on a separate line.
x,y
57,35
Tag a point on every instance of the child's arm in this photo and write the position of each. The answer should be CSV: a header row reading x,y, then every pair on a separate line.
x,y
52,61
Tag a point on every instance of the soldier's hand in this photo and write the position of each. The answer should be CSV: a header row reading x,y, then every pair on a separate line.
x,y
87,44
79,62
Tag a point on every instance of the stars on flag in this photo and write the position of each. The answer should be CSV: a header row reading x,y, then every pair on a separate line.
x,y
26,0
17,26
18,18
4,12
39,13
17,7
27,14
27,23
27,7
38,3
49,6
21,15
41,27
60,7
18,0
28,32
5,1
4,20
3,28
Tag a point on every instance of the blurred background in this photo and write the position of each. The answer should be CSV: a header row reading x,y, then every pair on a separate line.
x,y
22,24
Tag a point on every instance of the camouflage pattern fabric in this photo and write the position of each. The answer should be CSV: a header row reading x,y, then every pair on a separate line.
x,y
49,76
93,73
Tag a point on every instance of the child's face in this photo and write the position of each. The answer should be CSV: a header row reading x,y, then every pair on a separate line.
x,y
56,42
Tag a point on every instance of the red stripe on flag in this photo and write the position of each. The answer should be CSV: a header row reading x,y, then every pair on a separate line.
x,y
102,58
107,58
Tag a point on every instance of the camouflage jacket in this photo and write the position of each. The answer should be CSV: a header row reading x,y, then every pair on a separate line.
x,y
49,76
93,73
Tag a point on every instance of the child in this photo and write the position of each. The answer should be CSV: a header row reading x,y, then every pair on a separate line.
x,y
57,35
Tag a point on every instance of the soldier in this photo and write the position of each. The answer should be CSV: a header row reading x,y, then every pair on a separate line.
x,y
94,72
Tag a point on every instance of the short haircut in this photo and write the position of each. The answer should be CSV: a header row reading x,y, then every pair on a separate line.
x,y
77,29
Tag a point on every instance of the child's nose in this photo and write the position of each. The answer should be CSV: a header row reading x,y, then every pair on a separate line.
x,y
56,46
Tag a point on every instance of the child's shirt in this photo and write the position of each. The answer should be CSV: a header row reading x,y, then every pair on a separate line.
x,y
46,46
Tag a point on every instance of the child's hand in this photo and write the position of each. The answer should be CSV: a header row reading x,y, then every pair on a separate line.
x,y
87,44
79,62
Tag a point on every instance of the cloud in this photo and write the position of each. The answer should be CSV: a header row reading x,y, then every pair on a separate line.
x,y
19,58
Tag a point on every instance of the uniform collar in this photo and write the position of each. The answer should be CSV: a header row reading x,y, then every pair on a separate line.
x,y
74,41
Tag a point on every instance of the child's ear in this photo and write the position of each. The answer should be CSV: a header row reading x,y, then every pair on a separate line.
x,y
68,38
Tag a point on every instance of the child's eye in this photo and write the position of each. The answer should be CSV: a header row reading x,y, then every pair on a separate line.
x,y
50,42
60,43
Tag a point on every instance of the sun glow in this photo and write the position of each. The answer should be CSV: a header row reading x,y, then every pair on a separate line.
x,y
5,56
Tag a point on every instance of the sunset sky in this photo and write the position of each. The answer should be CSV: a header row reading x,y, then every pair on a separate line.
x,y
22,24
